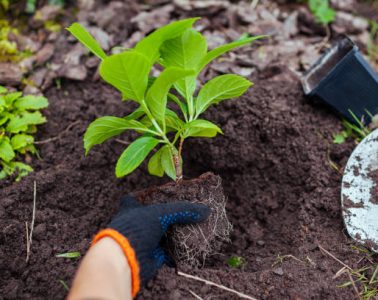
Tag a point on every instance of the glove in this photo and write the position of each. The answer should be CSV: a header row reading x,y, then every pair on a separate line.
x,y
139,228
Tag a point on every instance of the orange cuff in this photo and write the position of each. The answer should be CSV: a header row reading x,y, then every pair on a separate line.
x,y
129,252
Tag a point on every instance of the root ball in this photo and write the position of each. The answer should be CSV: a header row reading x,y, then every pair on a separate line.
x,y
192,244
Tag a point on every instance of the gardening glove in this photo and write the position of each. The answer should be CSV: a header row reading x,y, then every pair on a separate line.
x,y
139,228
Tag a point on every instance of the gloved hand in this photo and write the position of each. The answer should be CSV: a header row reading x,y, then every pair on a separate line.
x,y
139,228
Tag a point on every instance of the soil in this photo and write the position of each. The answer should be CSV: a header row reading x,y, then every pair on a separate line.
x,y
192,245
283,197
280,171
374,191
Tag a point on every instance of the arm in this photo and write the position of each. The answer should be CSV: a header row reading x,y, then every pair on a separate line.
x,y
127,254
103,274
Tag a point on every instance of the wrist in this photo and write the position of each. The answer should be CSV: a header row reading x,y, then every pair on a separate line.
x,y
126,253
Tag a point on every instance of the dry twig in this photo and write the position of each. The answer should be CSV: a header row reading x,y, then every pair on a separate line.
x,y
195,295
334,257
354,285
59,135
241,295
29,237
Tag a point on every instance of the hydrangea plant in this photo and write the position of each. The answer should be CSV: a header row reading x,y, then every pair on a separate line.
x,y
183,54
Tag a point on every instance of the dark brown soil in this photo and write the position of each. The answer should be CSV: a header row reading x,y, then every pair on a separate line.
x,y
192,245
283,197
374,191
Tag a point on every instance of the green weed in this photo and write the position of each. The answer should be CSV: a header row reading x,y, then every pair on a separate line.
x,y
19,117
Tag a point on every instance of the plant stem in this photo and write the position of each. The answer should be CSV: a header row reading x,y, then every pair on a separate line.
x,y
177,161
190,107
178,168
153,121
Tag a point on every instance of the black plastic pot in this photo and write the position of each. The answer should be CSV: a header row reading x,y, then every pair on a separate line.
x,y
343,79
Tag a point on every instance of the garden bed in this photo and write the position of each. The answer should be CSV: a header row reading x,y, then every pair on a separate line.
x,y
280,172
283,197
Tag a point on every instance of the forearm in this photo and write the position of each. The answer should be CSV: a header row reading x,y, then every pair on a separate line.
x,y
103,274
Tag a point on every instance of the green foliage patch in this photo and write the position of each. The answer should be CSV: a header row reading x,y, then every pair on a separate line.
x,y
19,117
182,52
322,11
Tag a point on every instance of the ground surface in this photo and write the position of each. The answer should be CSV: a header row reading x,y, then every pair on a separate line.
x,y
275,159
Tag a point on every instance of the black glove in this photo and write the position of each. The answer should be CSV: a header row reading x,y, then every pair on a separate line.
x,y
139,228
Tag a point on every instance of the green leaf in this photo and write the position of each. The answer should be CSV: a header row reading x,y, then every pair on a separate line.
x,y
6,151
186,52
11,97
167,161
201,128
173,121
84,37
154,164
75,254
216,52
31,102
21,122
128,72
136,114
4,117
183,106
134,155
150,45
236,261
220,88
106,127
19,141
157,94
64,284
20,168
3,90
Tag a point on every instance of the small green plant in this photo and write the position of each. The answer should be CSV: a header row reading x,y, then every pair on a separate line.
x,y
236,262
322,11
183,54
364,280
357,132
18,119
64,284
75,254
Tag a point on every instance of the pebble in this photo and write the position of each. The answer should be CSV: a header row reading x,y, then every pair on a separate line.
x,y
278,271
348,23
290,26
44,54
101,36
73,72
38,77
260,243
10,74
47,12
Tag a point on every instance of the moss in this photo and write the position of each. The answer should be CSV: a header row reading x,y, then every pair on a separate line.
x,y
9,51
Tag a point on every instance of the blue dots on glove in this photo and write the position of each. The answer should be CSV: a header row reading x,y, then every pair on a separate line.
x,y
182,217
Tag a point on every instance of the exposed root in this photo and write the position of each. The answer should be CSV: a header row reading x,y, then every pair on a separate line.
x,y
193,244
241,295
